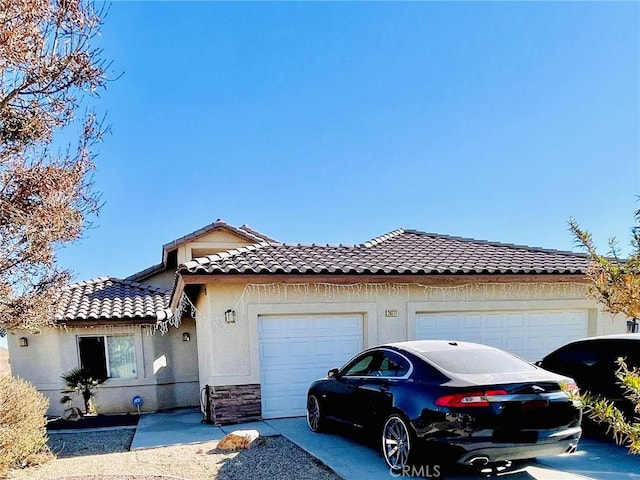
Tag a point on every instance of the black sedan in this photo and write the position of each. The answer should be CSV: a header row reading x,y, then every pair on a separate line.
x,y
477,404
593,363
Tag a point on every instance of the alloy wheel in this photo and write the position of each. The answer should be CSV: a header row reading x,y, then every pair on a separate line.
x,y
396,442
313,413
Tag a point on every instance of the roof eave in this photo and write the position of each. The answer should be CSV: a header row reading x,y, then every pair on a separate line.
x,y
106,322
443,278
176,293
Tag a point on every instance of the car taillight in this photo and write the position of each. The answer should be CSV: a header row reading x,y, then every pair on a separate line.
x,y
470,399
571,388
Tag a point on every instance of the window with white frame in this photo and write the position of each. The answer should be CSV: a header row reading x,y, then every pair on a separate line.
x,y
108,356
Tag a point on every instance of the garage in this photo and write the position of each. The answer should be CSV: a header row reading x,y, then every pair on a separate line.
x,y
296,350
528,334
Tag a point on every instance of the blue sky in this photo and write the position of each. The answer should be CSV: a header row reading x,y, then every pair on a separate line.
x,y
334,122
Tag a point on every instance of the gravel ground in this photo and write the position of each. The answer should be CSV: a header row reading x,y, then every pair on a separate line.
x,y
105,455
65,445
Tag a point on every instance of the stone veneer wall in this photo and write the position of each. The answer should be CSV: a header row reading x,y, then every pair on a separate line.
x,y
230,404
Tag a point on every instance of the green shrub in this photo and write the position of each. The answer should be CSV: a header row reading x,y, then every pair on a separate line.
x,y
23,433
623,429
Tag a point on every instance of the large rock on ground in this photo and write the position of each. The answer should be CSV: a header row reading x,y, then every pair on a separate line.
x,y
240,440
72,414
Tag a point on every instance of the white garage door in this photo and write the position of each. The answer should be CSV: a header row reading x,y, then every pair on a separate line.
x,y
530,335
295,351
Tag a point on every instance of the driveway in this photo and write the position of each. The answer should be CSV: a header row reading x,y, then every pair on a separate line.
x,y
599,460
353,459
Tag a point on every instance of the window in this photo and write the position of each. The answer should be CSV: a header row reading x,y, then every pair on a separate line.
x,y
360,366
477,361
393,365
108,356
379,363
579,355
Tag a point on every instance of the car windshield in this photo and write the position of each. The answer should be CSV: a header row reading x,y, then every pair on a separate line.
x,y
477,361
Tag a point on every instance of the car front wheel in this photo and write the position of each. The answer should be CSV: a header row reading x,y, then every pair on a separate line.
x,y
314,414
397,442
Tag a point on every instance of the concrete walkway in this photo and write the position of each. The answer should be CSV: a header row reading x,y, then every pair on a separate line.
x,y
184,427
354,460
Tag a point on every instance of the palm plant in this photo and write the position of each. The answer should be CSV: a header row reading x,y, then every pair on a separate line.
x,y
80,381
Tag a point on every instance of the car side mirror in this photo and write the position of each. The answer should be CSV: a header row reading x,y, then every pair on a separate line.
x,y
333,373
538,363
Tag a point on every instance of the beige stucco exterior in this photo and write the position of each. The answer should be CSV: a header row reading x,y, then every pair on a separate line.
x,y
163,279
229,352
208,244
166,373
167,367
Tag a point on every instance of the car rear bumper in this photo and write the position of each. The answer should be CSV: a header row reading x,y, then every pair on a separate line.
x,y
517,452
471,451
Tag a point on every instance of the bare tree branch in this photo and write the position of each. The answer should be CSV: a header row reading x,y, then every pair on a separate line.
x,y
47,69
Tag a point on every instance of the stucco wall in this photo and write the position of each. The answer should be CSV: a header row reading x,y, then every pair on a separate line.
x,y
214,242
167,373
162,280
229,354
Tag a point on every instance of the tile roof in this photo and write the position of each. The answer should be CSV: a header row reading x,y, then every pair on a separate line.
x,y
243,231
147,272
111,299
401,252
246,228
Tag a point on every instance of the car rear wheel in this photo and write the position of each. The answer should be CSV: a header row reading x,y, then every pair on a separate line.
x,y
397,442
314,414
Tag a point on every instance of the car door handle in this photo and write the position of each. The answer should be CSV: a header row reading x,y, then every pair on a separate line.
x,y
384,388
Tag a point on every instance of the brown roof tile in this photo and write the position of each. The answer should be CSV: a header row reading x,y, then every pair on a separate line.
x,y
243,231
110,299
407,252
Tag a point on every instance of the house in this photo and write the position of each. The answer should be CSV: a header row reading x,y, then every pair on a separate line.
x,y
108,325
240,323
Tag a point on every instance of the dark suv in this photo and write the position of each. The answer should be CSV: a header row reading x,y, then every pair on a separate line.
x,y
591,362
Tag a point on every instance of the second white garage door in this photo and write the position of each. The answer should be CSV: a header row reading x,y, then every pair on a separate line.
x,y
296,350
530,335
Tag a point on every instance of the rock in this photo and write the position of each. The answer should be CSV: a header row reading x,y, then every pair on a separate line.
x,y
240,440
72,414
